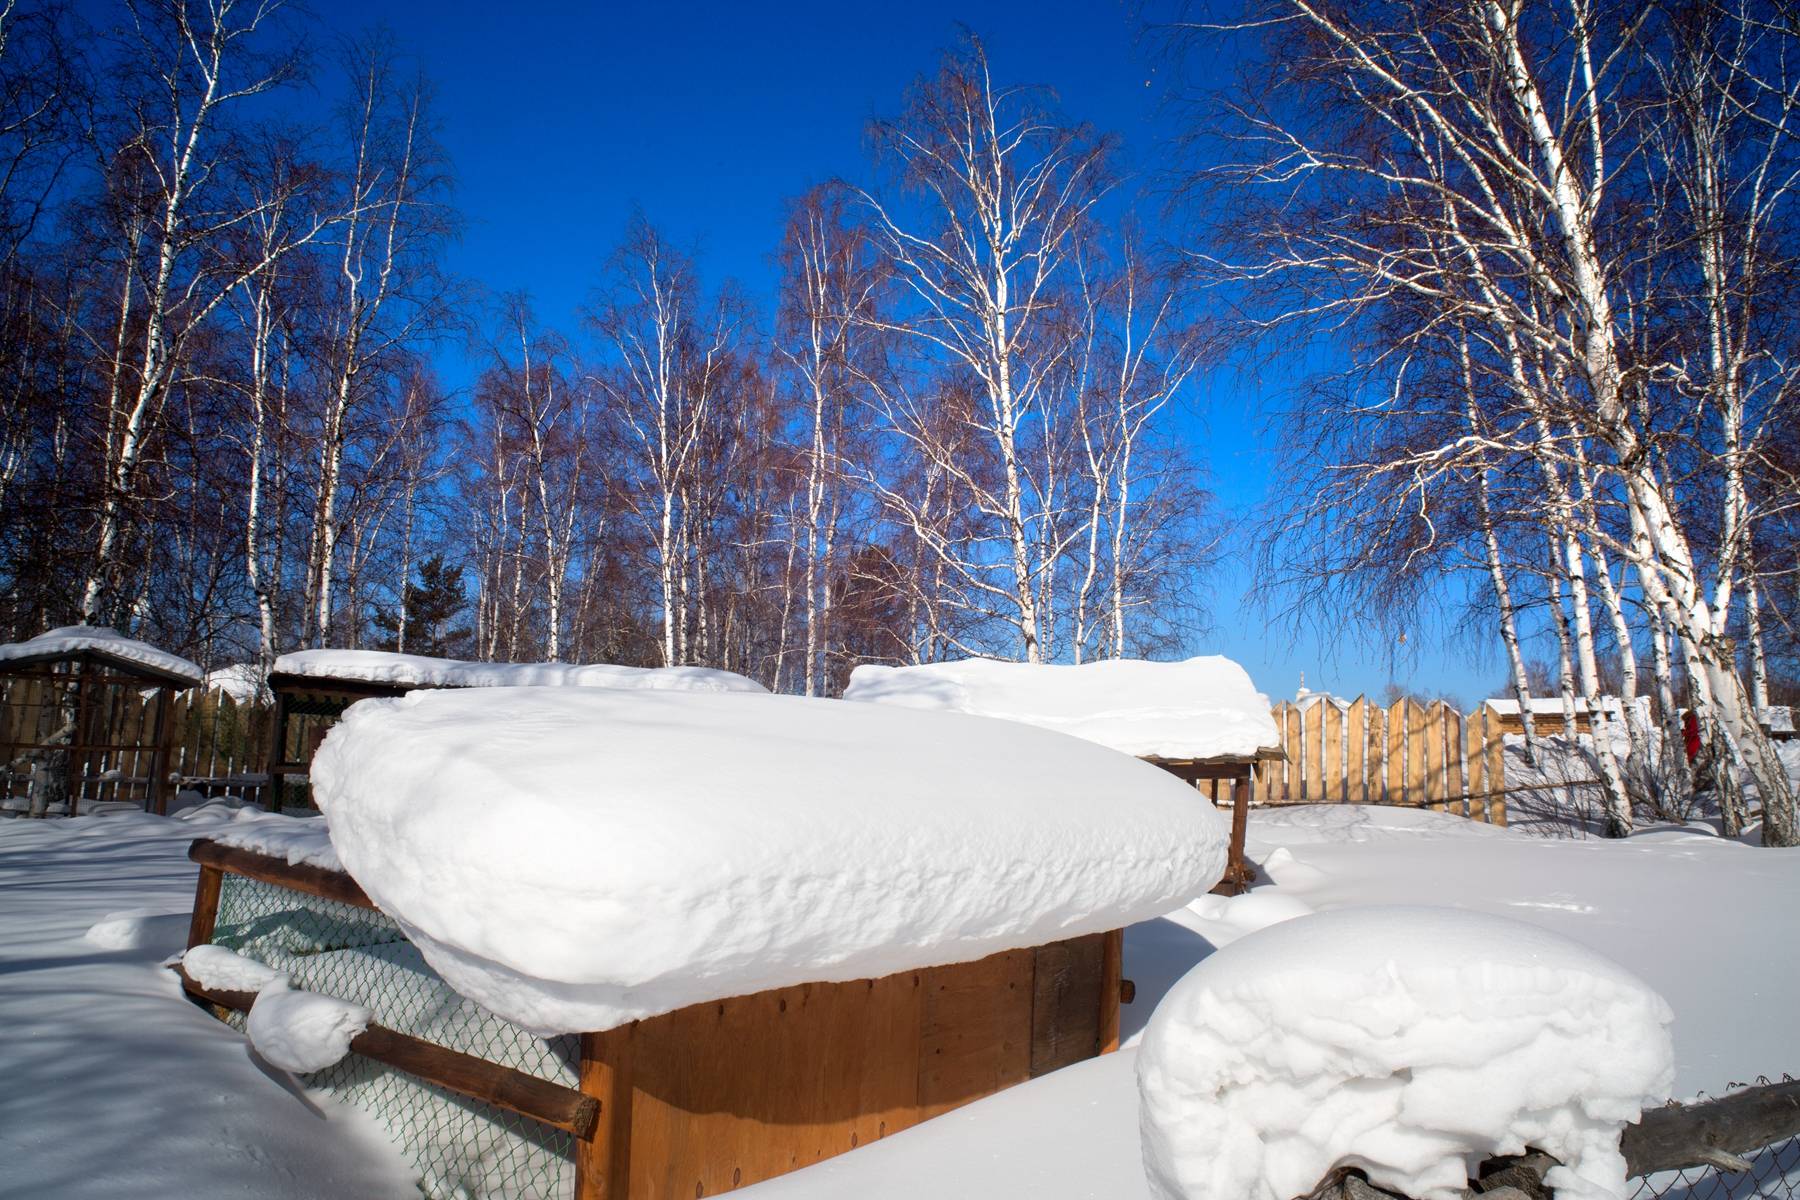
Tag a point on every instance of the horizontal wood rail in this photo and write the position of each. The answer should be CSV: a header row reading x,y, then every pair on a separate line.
x,y
504,1087
1712,1133
314,881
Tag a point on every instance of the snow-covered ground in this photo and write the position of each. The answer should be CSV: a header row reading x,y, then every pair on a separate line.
x,y
116,1086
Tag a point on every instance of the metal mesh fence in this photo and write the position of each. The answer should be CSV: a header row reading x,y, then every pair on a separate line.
x,y
1774,1174
462,1148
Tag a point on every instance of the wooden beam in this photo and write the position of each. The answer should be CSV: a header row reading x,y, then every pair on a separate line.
x,y
540,1099
1695,1135
314,881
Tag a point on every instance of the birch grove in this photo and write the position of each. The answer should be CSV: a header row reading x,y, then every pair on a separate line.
x,y
1527,191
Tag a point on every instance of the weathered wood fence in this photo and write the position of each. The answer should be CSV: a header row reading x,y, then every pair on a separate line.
x,y
211,738
1406,754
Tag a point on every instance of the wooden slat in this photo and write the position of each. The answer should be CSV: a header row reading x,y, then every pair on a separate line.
x,y
1395,787
1112,981
1476,784
1066,990
540,1099
1356,739
1431,732
1331,767
1291,743
1413,792
1495,753
1453,760
314,881
1377,764
970,1041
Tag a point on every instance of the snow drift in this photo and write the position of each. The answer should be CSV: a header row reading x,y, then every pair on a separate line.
x,y
416,670
1201,708
576,859
1409,1042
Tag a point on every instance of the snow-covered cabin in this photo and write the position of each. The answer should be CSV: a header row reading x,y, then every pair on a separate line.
x,y
86,718
312,688
1547,713
695,939
1201,719
1777,721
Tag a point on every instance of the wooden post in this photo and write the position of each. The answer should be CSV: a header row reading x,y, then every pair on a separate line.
x,y
1495,752
1356,788
206,906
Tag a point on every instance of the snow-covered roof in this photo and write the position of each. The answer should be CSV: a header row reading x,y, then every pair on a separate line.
x,y
573,858
110,646
1198,709
1307,698
1551,706
416,670
1778,718
243,682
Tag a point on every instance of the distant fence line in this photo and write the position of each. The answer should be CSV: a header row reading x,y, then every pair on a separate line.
x,y
1407,754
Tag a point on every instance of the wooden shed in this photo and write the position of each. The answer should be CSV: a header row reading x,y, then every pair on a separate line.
x,y
84,717
696,1102
1201,719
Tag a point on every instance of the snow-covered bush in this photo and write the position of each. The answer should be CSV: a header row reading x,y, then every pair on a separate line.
x,y
1411,1043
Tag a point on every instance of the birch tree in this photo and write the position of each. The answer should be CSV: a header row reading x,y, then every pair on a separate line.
x,y
992,192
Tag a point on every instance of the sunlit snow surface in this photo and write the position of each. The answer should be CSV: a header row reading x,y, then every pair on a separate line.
x,y
171,1103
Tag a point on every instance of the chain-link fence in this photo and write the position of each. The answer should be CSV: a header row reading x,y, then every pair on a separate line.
x,y
462,1148
1774,1172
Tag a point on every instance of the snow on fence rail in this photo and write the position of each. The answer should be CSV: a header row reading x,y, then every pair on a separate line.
x,y
1408,754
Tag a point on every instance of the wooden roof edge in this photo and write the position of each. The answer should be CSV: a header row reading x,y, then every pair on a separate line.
x,y
97,657
1263,754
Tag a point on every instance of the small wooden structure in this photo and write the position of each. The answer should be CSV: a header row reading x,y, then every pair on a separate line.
x,y
727,1093
306,707
1227,779
85,716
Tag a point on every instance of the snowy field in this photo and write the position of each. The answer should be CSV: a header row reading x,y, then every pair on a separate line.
x,y
118,1087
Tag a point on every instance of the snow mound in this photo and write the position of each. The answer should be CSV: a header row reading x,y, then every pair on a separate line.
x,y
299,841
1201,708
1316,824
218,969
1410,1042
108,643
574,859
303,1031
414,670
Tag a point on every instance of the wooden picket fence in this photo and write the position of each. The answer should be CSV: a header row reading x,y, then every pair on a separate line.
x,y
1407,754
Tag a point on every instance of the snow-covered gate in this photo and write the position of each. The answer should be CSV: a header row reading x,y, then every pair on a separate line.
x,y
696,1102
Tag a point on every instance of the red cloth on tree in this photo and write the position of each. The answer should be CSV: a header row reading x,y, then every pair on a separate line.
x,y
1690,733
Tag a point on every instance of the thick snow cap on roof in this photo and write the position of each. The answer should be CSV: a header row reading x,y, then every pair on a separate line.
x,y
416,670
1201,708
107,643
574,859
1411,1042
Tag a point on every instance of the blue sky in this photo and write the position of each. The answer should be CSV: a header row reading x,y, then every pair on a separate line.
x,y
563,119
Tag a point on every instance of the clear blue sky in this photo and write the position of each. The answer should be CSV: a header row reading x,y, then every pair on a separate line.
x,y
561,119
